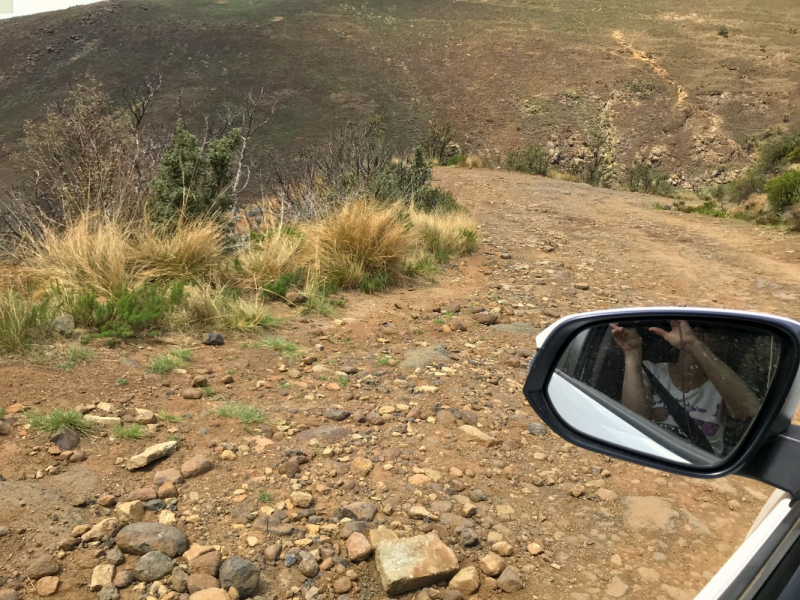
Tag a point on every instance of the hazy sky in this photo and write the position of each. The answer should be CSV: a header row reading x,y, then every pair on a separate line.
x,y
29,7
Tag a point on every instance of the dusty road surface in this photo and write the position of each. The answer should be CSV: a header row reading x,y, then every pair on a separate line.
x,y
401,417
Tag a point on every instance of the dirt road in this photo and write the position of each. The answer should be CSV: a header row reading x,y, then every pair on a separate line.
x,y
628,250
411,411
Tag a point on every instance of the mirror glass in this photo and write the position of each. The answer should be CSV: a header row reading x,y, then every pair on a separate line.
x,y
683,391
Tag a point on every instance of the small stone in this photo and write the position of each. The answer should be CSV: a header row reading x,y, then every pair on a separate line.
x,y
492,564
411,563
199,381
342,585
108,592
358,547
272,552
129,512
581,286
123,578
239,573
467,581
577,490
192,393
114,556
153,566
42,568
468,538
167,490
213,339
211,593
101,575
503,548
535,549
104,529
63,324
201,581
196,465
308,567
168,475
141,538
536,429
486,318
66,439
360,511
617,588
335,414
151,454
476,434
302,499
47,586
509,581
477,495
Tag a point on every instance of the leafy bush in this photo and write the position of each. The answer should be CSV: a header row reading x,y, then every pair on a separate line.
x,y
22,322
401,180
278,288
722,30
457,160
193,179
643,178
435,199
783,190
533,160
597,166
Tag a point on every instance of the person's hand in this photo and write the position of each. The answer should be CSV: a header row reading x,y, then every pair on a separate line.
x,y
627,339
680,336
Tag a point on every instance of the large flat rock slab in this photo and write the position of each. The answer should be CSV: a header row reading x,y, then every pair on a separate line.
x,y
411,563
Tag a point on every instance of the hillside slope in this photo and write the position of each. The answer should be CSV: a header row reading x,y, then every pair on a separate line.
x,y
503,72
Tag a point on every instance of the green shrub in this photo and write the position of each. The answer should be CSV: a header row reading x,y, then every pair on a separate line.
x,y
134,431
166,362
723,30
22,322
751,183
533,160
193,180
375,282
783,190
280,287
643,178
401,180
457,160
434,199
125,313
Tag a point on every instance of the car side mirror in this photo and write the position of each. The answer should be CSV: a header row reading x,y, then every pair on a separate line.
x,y
698,392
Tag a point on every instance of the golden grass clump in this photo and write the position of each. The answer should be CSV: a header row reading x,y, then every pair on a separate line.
x,y
193,251
361,243
205,307
277,253
91,253
445,234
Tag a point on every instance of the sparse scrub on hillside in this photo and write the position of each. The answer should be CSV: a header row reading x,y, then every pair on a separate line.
x,y
532,159
776,153
722,30
644,178
596,165
643,87
438,144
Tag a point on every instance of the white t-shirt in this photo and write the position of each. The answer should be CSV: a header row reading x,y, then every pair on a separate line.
x,y
704,405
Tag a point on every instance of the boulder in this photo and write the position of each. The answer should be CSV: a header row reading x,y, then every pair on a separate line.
x,y
239,573
153,566
196,465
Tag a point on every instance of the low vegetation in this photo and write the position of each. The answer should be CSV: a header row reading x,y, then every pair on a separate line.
x,y
60,420
246,415
532,159
166,362
155,250
134,431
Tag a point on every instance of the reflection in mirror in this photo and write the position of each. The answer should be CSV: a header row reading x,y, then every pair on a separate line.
x,y
684,391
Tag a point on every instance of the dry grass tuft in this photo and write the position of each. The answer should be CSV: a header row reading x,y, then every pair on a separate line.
x,y
445,234
361,245
91,253
205,307
266,260
194,251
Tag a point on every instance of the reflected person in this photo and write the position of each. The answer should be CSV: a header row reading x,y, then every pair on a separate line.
x,y
698,384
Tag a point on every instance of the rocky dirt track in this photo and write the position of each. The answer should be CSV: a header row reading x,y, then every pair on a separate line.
x,y
402,418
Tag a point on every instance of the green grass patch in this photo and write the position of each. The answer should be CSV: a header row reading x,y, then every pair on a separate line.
x,y
285,348
242,413
121,381
265,497
75,356
61,420
22,322
134,431
166,362
166,417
